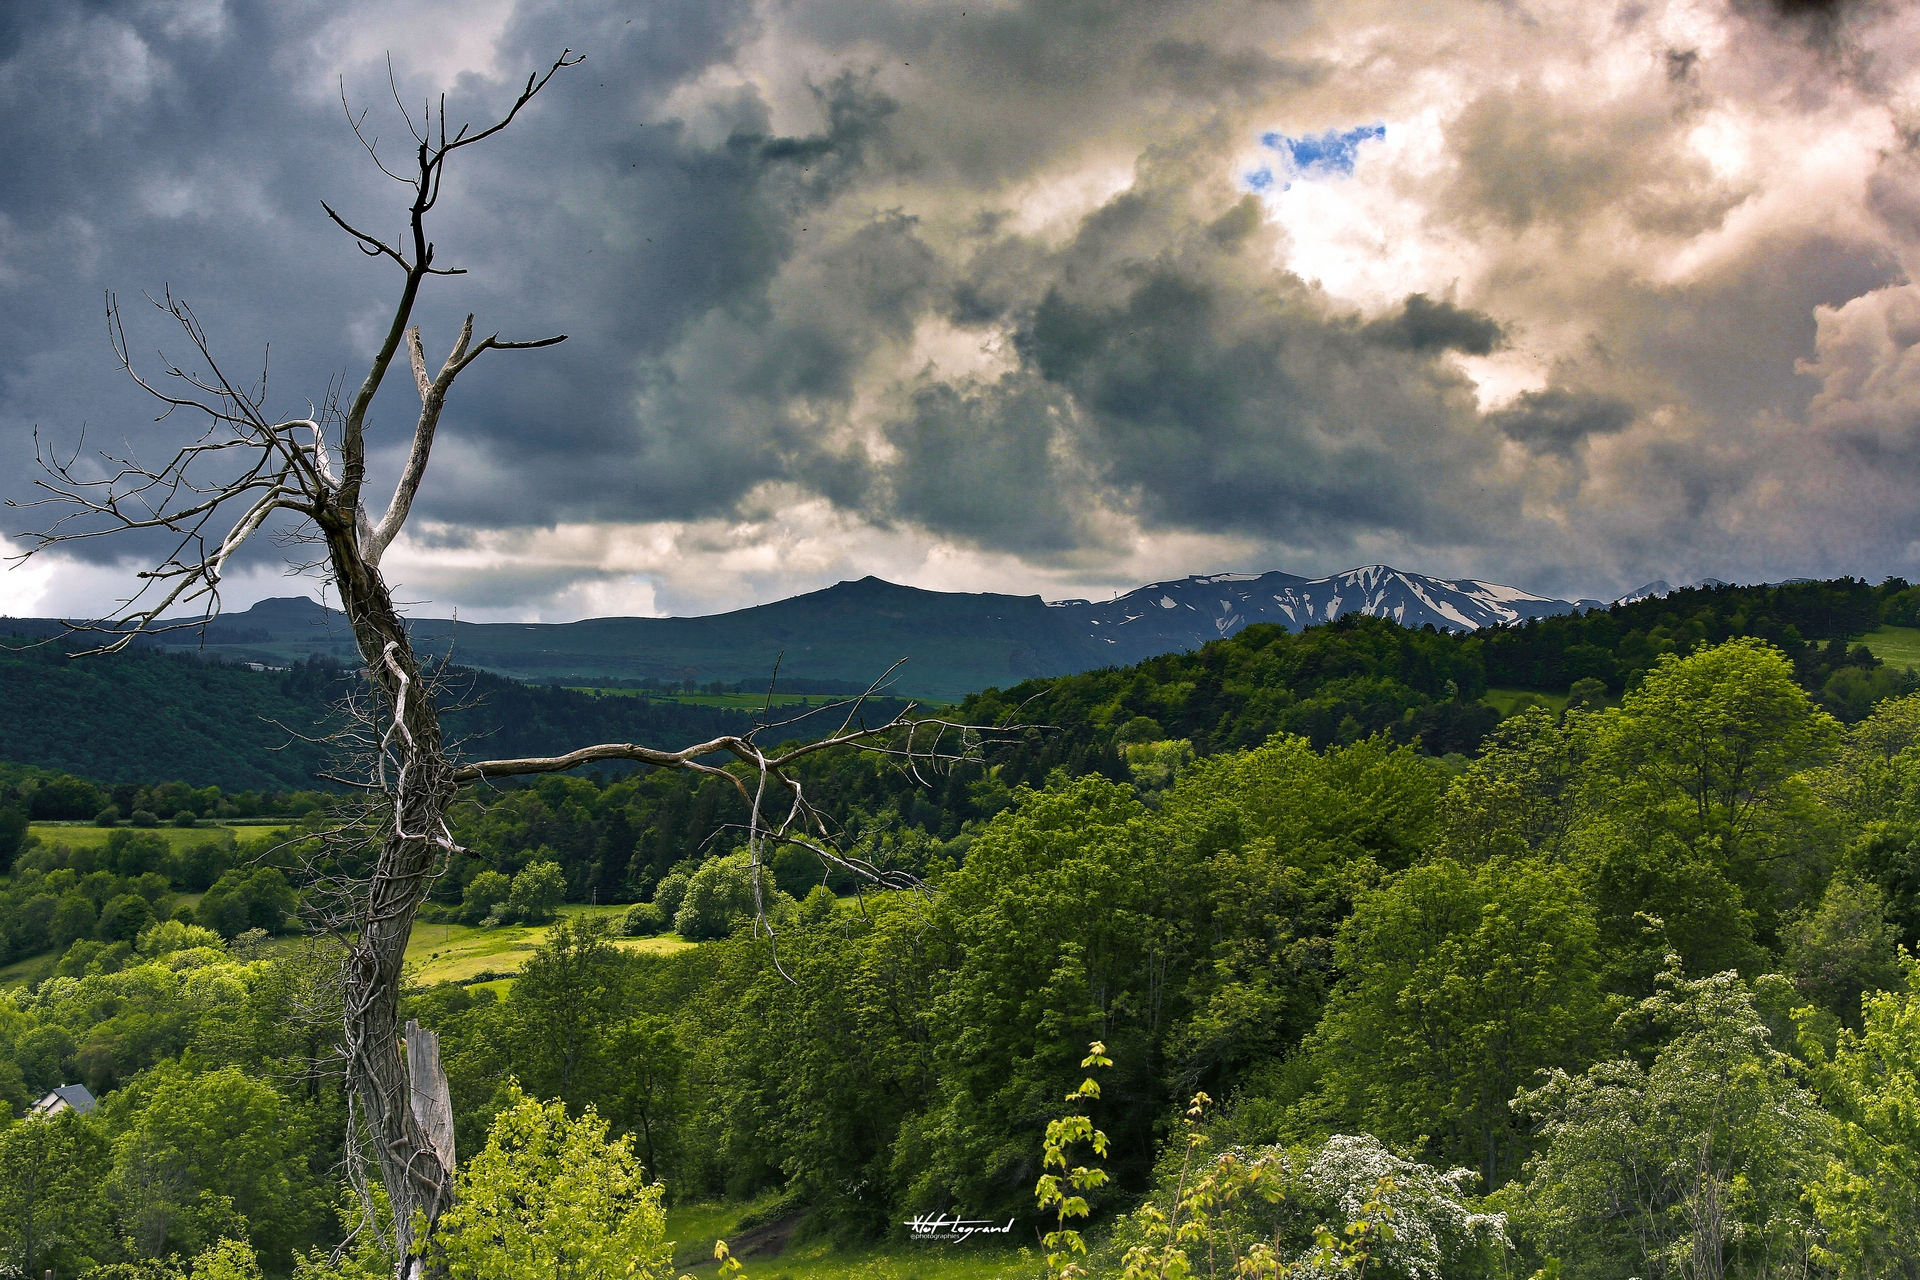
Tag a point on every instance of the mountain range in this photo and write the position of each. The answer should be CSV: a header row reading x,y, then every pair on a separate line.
x,y
851,632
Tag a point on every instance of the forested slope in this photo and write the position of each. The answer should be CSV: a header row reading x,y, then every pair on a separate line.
x,y
141,717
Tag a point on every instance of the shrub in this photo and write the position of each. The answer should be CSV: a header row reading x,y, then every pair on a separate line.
x,y
643,920
144,818
719,893
184,818
170,936
487,891
107,817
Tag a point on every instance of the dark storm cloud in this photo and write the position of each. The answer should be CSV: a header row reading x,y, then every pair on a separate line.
x,y
158,157
1557,420
1206,389
1425,325
991,464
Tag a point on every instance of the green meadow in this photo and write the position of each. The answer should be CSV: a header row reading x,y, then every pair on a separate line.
x,y
461,953
768,1253
1895,646
78,835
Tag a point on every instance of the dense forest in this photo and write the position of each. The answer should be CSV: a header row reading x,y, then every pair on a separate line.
x,y
1622,991
140,716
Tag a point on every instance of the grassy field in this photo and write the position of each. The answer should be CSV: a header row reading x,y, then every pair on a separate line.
x,y
435,952
694,1228
458,952
88,836
1895,646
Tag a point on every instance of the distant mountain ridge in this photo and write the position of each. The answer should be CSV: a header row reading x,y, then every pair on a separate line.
x,y
957,642
1191,611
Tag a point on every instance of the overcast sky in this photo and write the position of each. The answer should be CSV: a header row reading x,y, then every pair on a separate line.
x,y
1028,297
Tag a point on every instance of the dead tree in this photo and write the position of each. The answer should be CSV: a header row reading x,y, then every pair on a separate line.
x,y
307,474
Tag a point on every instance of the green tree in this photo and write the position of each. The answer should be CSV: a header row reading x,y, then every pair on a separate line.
x,y
564,1002
552,1197
13,834
536,894
718,894
1050,936
122,919
72,920
240,900
648,1093
484,893
198,1154
50,1172
669,893
1525,794
1692,1167
1273,844
1867,1192
1461,984
1711,742
1844,949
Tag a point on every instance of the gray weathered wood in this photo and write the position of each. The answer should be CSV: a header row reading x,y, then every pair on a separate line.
x,y
432,1101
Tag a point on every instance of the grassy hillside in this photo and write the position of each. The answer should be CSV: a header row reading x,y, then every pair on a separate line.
x,y
461,953
1895,646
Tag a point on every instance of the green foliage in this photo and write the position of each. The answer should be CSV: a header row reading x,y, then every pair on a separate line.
x,y
50,1216
643,920
1460,984
1063,1192
13,834
123,918
1694,1165
720,893
1269,1211
552,1197
203,1152
1867,1191
486,895
1844,949
536,893
241,900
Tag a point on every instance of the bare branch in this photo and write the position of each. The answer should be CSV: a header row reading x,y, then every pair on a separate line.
x,y
419,358
372,246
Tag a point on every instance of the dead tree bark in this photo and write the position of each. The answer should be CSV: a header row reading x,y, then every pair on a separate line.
x,y
263,467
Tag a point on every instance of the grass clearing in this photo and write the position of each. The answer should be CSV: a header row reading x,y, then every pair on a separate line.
x,y
14,977
1895,646
693,1229
459,953
88,836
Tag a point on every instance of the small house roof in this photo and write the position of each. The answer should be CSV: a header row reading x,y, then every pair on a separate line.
x,y
74,1096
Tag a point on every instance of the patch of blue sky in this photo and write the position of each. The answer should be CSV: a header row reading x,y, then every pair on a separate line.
x,y
1320,156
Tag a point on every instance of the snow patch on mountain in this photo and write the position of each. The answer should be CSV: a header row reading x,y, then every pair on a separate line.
x,y
1191,611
